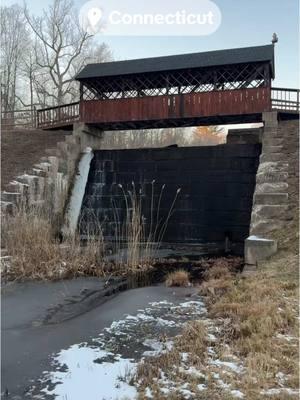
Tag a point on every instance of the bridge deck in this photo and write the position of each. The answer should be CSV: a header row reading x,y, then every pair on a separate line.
x,y
211,108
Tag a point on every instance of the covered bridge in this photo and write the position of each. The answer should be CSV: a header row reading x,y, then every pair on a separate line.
x,y
209,88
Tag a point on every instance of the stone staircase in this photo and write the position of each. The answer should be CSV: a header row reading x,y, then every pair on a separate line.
x,y
47,181
275,203
270,207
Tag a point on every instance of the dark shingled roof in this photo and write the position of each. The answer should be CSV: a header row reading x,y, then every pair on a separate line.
x,y
181,61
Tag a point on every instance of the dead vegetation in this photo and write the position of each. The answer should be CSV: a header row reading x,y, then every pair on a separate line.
x,y
35,253
261,327
256,325
179,278
152,371
28,236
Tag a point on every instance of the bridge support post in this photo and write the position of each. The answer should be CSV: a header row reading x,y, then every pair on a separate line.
x,y
88,136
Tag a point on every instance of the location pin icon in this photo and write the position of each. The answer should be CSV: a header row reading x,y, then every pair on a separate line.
x,y
94,16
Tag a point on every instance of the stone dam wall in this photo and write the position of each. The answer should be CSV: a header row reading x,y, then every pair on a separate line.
x,y
216,185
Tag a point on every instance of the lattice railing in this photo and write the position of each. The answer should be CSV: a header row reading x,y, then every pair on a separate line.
x,y
58,116
176,82
285,99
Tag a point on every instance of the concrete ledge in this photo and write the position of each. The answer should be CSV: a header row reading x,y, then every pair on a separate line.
x,y
271,198
258,249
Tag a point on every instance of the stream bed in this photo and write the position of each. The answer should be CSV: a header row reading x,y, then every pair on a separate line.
x,y
61,341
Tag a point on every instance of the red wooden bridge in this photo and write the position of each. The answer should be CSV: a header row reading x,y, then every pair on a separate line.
x,y
211,88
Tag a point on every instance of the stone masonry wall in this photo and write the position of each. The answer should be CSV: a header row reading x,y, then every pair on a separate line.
x,y
274,198
47,183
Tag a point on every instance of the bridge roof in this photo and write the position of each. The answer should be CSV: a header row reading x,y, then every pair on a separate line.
x,y
181,62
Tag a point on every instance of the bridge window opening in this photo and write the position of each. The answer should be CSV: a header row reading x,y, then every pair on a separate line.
x,y
158,138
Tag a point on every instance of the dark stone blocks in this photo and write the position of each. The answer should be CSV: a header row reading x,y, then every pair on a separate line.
x,y
217,185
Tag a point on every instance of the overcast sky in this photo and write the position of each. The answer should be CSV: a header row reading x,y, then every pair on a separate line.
x,y
244,23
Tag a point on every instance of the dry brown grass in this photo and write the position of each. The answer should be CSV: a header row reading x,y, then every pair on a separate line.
x,y
257,323
29,240
257,310
179,278
221,268
219,277
193,340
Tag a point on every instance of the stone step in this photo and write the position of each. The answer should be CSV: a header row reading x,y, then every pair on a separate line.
x,y
264,227
38,172
272,132
269,149
273,157
273,135
19,187
272,177
28,179
272,141
271,198
269,212
270,188
44,165
271,166
11,197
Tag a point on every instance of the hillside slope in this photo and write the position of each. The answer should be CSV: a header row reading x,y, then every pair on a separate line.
x,y
20,150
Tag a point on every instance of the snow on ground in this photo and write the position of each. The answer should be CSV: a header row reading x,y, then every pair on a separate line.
x,y
103,367
278,391
86,375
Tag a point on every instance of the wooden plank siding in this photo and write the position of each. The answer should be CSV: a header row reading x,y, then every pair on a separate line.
x,y
192,105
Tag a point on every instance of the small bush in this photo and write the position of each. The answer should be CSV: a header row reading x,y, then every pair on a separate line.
x,y
180,278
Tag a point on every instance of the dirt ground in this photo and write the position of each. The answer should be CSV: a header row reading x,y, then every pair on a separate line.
x,y
20,150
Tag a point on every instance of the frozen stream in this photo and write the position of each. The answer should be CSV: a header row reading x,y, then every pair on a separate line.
x,y
93,354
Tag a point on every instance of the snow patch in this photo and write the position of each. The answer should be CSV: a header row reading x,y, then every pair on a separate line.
x,y
87,377
237,393
157,347
275,391
253,237
233,366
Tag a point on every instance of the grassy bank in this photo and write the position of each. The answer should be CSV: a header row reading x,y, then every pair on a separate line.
x,y
246,348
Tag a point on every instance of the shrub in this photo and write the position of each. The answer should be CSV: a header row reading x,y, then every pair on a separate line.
x,y
178,278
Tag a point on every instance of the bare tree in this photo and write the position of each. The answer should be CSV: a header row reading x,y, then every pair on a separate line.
x,y
92,52
15,41
59,48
